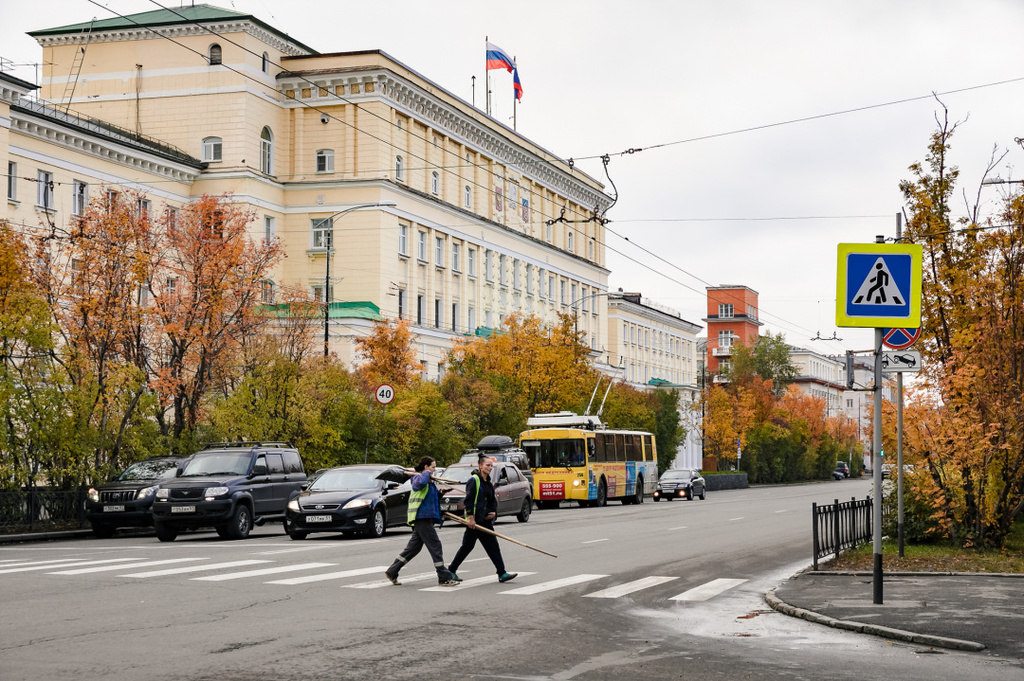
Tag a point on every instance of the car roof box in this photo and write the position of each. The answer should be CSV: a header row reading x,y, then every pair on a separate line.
x,y
495,442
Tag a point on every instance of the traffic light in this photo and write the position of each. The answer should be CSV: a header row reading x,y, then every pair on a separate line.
x,y
849,369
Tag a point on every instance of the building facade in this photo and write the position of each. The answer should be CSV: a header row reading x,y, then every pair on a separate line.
x,y
732,317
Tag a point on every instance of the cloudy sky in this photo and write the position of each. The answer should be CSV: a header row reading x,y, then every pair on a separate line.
x,y
771,131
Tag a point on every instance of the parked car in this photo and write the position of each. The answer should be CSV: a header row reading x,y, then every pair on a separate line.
x,y
838,475
229,486
513,491
500,448
842,467
680,483
127,500
349,500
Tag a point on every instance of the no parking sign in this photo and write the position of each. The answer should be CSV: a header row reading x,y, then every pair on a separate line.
x,y
900,339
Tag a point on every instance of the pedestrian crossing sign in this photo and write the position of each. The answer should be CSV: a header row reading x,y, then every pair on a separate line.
x,y
878,285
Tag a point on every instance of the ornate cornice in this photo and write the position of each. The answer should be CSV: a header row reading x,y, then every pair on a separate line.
x,y
178,31
93,145
350,85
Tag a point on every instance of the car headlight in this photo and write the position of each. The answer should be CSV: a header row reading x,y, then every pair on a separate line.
x,y
215,491
147,492
293,505
163,493
93,495
357,503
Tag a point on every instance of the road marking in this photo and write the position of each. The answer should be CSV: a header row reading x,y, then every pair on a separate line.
x,y
681,527
548,586
735,519
469,583
67,564
195,568
629,587
26,563
332,575
294,550
262,572
106,568
785,510
595,541
404,579
708,590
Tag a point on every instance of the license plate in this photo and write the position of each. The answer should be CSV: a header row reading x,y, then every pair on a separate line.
x,y
183,509
318,518
112,509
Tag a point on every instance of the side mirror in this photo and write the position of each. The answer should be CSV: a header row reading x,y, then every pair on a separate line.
x,y
259,469
304,486
391,486
178,472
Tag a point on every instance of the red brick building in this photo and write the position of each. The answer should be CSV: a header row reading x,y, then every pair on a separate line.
x,y
732,317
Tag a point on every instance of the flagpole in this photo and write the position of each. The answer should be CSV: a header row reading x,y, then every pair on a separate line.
x,y
487,79
514,98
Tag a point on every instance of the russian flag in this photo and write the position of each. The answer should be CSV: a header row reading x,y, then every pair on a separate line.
x,y
517,85
497,58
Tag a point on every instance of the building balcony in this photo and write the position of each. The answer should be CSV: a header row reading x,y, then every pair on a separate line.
x,y
721,352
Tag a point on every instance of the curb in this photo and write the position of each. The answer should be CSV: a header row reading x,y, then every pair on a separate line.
x,y
43,536
779,605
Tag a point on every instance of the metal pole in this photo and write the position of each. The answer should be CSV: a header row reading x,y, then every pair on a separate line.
x,y
899,432
327,290
876,466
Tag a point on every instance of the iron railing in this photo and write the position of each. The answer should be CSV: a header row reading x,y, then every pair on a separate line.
x,y
41,510
840,526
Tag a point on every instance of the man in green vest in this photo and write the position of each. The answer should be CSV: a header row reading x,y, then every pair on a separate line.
x,y
424,513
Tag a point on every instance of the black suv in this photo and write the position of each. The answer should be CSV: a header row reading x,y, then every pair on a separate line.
x,y
229,486
126,500
501,448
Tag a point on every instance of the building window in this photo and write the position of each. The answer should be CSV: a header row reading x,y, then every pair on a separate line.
x,y
420,309
573,300
268,292
571,249
322,233
265,64
487,266
725,310
215,54
325,161
725,339
212,149
471,261
456,264
561,292
421,247
435,183
489,319
529,279
437,142
583,300
12,181
399,168
551,287
439,251
455,317
267,151
547,233
268,228
471,319
44,196
143,207
752,312
590,249
501,270
515,274
401,303
438,313
79,197
467,197
403,240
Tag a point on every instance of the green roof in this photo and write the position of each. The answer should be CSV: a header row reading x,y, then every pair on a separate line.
x,y
198,14
359,309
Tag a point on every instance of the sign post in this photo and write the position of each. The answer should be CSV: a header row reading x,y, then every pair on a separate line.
x,y
878,285
384,394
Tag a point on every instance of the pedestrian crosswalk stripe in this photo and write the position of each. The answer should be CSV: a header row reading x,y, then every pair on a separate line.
x,y
332,575
469,583
404,579
629,587
195,568
107,568
27,563
548,586
708,590
68,564
262,572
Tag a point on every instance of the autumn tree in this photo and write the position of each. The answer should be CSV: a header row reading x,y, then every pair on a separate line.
x,y
972,340
767,358
388,355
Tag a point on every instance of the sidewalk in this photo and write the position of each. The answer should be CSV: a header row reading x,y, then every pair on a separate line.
x,y
962,611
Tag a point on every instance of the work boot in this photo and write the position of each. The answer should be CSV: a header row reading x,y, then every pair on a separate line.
x,y
507,576
448,582
455,577
392,578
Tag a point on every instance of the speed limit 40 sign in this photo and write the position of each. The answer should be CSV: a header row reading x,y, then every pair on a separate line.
x,y
385,393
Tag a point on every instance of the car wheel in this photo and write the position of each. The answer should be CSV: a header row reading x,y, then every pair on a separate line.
x,y
101,531
657,499
164,533
524,514
378,524
689,494
241,522
602,494
703,493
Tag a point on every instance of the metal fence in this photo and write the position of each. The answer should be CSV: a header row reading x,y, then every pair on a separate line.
x,y
41,509
840,526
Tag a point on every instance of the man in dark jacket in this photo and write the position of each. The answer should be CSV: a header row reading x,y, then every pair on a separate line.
x,y
481,509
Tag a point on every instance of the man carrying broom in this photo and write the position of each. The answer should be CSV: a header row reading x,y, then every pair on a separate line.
x,y
481,509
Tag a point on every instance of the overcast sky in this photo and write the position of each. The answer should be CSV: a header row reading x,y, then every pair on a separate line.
x,y
732,187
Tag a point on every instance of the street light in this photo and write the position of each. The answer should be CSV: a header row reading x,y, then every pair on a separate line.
x,y
328,246
999,180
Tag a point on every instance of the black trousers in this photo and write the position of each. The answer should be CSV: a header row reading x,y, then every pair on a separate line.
x,y
489,542
423,534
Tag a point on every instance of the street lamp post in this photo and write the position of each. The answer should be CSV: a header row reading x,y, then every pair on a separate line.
x,y
328,249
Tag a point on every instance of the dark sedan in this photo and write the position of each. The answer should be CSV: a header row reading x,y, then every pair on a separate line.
x,y
127,500
513,492
350,500
680,483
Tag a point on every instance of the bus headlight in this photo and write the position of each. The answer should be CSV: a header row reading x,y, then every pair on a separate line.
x,y
576,483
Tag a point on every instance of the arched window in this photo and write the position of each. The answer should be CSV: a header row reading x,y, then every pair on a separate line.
x,y
266,63
215,54
211,149
435,183
267,151
399,168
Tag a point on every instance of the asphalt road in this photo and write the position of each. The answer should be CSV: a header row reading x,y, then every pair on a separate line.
x,y
662,590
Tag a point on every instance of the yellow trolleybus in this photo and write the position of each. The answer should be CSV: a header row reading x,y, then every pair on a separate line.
x,y
575,458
